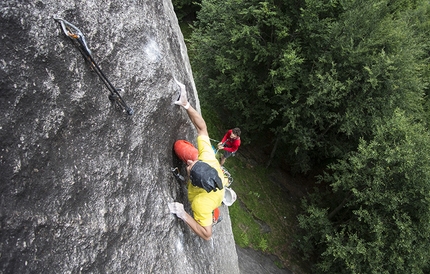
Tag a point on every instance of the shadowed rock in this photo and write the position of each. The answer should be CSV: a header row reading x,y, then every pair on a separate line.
x,y
84,187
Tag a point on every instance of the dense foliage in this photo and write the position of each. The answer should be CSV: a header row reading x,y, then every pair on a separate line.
x,y
344,82
312,73
186,9
378,220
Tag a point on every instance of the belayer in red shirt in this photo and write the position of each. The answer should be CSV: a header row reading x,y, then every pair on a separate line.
x,y
230,144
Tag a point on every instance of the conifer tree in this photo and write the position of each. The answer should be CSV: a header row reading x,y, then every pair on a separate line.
x,y
311,73
378,217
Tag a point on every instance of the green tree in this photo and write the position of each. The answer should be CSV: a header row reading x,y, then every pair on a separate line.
x,y
419,19
186,9
310,74
378,217
235,44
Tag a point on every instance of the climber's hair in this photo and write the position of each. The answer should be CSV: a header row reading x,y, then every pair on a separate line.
x,y
236,131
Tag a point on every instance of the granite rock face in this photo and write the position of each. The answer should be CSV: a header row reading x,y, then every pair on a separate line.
x,y
84,187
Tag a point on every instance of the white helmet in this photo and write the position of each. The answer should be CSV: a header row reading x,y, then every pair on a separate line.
x,y
229,196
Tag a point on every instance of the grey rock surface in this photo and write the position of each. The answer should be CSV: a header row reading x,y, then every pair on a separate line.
x,y
255,262
84,187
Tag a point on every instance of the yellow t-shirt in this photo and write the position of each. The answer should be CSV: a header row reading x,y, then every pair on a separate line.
x,y
203,203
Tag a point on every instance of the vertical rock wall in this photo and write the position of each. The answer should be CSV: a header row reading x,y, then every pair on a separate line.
x,y
84,187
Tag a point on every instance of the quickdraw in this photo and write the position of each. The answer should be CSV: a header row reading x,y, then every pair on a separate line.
x,y
177,174
227,175
78,40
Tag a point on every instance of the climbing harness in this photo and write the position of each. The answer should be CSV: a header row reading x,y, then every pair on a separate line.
x,y
78,40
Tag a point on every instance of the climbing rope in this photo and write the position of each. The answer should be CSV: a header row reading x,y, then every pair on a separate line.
x,y
79,41
214,140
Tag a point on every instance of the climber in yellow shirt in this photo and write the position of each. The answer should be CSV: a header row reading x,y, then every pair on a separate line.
x,y
206,180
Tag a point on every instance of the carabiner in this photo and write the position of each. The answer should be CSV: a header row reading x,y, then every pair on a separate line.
x,y
74,33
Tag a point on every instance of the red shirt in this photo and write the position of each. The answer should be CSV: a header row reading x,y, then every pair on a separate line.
x,y
230,145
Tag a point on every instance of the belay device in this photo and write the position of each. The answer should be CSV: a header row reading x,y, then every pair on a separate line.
x,y
78,40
